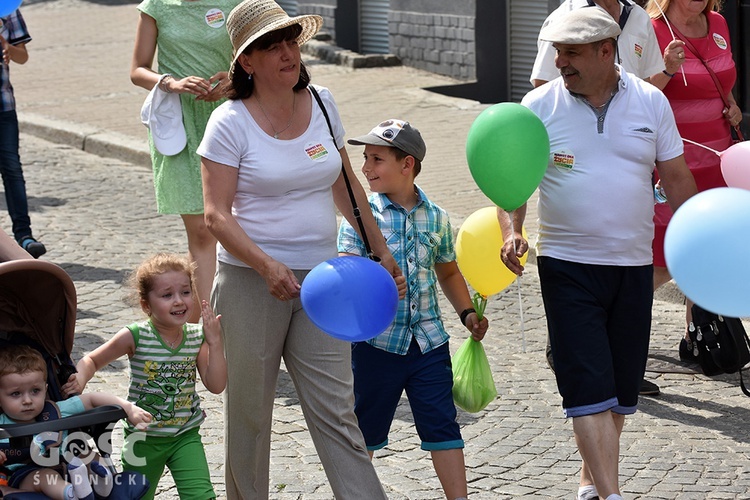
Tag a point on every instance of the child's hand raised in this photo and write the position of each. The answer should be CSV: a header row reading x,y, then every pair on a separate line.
x,y
211,323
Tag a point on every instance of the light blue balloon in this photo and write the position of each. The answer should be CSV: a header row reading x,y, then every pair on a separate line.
x,y
350,298
8,7
707,249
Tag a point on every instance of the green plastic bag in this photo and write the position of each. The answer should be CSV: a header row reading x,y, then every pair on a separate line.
x,y
473,385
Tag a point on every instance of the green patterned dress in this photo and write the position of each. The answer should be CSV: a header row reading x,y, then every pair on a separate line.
x,y
192,40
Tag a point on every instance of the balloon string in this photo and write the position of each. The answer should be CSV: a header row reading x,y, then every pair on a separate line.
x,y
682,70
718,153
518,287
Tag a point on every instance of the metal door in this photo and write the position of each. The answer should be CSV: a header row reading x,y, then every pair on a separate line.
x,y
526,18
373,26
289,6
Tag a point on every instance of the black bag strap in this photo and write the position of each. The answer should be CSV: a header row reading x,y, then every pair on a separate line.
x,y
355,208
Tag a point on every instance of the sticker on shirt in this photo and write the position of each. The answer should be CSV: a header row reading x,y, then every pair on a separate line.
x,y
720,41
563,160
638,51
215,18
316,151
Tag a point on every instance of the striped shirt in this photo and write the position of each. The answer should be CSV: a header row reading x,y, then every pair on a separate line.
x,y
418,239
162,380
14,31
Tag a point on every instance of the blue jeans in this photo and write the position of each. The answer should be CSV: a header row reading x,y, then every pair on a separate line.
x,y
13,181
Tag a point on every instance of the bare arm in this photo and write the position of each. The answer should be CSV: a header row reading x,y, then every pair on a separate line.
x,y
677,181
9,249
513,237
212,365
16,53
136,415
116,347
672,63
142,75
454,287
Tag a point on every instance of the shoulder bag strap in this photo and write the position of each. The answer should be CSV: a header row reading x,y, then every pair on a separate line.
x,y
711,72
355,208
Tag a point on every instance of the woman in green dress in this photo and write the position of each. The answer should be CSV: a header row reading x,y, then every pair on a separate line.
x,y
194,53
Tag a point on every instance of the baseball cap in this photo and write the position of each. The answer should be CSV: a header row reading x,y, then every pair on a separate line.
x,y
395,134
581,26
162,114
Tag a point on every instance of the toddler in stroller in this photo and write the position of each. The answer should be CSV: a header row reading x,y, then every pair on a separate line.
x,y
23,389
37,309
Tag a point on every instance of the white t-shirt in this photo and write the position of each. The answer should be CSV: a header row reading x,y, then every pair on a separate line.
x,y
637,47
284,200
596,201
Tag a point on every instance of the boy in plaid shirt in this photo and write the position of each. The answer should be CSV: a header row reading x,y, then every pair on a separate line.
x,y
413,354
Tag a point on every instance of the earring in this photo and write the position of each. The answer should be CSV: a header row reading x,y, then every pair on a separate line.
x,y
249,76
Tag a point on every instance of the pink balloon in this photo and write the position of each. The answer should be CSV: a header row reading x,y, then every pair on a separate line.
x,y
735,165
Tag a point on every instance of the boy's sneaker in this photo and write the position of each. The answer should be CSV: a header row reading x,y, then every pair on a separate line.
x,y
587,493
35,248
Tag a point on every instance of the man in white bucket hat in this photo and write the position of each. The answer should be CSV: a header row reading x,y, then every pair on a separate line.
x,y
607,130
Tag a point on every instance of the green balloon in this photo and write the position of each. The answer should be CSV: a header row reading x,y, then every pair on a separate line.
x,y
507,150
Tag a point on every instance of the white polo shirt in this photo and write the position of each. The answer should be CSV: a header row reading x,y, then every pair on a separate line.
x,y
637,48
596,201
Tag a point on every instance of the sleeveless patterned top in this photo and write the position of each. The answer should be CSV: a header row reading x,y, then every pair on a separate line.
x,y
162,380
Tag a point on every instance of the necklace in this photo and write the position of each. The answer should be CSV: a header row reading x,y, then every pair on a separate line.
x,y
288,124
174,342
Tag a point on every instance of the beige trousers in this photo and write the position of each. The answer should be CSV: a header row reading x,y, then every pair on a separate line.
x,y
259,331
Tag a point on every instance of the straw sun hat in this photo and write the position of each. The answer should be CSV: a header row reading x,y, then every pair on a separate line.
x,y
252,19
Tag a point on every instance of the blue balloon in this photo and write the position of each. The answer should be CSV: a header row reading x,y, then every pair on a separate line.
x,y
8,7
707,246
350,298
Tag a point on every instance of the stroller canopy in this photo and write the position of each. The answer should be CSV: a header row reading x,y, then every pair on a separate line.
x,y
38,299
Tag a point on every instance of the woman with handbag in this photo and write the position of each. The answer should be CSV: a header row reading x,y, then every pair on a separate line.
x,y
698,80
272,180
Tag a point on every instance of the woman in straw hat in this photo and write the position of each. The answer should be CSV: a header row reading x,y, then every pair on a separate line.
x,y
194,54
272,181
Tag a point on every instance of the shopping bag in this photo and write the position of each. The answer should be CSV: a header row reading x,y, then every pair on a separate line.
x,y
473,385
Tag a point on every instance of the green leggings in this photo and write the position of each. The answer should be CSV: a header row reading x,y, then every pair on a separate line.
x,y
183,454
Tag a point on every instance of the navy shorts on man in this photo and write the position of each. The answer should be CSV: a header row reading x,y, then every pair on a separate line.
x,y
427,379
599,321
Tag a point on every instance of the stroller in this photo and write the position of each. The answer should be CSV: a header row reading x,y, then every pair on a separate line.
x,y
38,308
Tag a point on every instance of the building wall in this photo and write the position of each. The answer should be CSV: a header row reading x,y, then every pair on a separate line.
x,y
325,9
441,43
435,35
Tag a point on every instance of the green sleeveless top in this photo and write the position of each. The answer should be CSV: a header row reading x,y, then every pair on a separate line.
x,y
162,380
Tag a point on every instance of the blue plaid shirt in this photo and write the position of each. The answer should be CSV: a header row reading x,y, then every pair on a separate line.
x,y
15,32
418,240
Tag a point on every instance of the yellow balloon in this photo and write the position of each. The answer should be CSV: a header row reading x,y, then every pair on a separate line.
x,y
478,248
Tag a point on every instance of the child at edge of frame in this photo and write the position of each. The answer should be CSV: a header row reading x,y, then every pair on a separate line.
x,y
23,393
413,354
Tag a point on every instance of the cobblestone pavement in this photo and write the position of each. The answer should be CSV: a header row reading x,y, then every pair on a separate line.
x,y
97,216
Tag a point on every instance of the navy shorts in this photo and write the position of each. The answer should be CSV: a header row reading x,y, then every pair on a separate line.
x,y
599,322
380,377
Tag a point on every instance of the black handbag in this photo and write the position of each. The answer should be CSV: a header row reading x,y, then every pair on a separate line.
x,y
719,343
